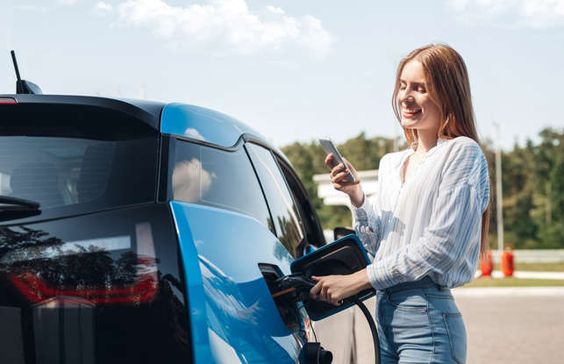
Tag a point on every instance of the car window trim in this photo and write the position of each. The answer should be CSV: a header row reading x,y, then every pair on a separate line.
x,y
292,195
312,222
272,228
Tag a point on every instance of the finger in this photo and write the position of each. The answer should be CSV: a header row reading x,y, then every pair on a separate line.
x,y
316,278
325,293
336,170
337,186
330,160
337,302
340,177
334,298
315,289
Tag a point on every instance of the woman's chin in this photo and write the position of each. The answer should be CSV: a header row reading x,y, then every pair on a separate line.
x,y
408,123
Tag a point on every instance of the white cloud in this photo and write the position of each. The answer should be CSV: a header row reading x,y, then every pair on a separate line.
x,y
529,13
190,180
227,22
104,7
68,2
543,12
275,9
194,133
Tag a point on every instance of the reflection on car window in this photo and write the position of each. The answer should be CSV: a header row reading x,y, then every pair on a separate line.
x,y
64,172
217,178
73,159
310,221
282,207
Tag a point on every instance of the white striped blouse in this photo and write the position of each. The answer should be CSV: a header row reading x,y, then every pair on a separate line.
x,y
431,224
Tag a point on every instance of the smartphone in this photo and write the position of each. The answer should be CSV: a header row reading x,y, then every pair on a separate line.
x,y
329,147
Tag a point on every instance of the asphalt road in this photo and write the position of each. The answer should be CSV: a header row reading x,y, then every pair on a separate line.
x,y
505,325
513,329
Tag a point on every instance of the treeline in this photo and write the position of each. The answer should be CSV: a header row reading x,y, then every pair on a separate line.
x,y
532,183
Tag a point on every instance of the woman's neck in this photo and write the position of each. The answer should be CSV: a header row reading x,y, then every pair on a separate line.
x,y
426,139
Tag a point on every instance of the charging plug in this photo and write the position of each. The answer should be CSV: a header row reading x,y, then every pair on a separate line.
x,y
293,285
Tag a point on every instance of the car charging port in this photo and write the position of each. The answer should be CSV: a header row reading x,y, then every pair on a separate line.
x,y
295,287
284,293
287,291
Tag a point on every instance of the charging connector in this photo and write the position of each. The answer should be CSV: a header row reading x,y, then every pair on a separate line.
x,y
293,286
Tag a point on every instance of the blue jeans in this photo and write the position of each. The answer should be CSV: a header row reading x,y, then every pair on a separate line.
x,y
418,322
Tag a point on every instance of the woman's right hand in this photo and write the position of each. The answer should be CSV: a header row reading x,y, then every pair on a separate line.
x,y
339,179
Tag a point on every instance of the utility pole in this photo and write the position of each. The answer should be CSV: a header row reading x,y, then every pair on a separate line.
x,y
499,192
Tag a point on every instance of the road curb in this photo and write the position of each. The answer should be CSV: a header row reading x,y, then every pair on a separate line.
x,y
526,275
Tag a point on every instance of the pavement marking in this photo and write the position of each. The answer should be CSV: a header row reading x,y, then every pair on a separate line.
x,y
509,291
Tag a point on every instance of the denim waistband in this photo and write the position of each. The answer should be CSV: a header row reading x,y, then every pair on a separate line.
x,y
425,282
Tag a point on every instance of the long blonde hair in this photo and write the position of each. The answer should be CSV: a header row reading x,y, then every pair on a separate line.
x,y
449,87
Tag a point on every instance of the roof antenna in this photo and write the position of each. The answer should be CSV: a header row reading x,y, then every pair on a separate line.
x,y
23,86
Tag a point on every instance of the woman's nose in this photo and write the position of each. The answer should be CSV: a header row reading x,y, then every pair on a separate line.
x,y
407,97
405,93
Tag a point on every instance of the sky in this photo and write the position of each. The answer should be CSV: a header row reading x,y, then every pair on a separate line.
x,y
295,70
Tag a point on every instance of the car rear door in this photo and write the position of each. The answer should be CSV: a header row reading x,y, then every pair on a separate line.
x,y
225,232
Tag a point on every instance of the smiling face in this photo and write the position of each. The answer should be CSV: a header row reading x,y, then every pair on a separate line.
x,y
417,109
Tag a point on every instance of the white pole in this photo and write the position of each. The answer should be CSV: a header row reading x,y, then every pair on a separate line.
x,y
499,192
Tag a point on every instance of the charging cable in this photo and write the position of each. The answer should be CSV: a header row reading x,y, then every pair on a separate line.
x,y
372,325
298,286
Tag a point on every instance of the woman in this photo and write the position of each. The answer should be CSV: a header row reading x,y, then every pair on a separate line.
x,y
427,221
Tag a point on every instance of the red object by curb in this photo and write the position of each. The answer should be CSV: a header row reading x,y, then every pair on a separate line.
x,y
507,263
486,264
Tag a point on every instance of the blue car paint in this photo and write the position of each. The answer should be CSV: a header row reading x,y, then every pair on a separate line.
x,y
195,293
232,313
203,124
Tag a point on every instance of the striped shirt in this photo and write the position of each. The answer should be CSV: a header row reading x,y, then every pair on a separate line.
x,y
431,224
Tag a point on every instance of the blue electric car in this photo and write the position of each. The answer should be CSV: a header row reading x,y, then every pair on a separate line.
x,y
140,232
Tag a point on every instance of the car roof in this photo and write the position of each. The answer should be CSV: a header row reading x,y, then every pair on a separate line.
x,y
205,125
182,120
146,111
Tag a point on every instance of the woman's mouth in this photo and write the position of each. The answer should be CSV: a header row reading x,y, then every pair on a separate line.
x,y
410,113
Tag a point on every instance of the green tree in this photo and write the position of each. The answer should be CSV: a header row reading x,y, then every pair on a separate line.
x,y
533,184
308,159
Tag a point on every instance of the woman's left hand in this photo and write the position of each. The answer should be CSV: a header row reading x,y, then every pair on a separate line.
x,y
335,288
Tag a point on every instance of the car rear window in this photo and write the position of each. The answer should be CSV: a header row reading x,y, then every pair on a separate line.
x,y
75,159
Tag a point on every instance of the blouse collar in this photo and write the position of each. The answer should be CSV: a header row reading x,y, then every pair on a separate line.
x,y
410,151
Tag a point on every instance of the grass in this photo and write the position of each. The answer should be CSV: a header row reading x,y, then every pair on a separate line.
x,y
537,267
515,282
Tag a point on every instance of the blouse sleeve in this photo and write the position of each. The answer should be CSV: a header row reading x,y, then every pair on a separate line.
x,y
368,218
455,224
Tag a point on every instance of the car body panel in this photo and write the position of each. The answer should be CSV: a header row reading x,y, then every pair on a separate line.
x,y
107,319
232,312
204,125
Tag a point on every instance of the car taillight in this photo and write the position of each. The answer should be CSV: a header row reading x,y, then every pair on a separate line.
x,y
7,101
36,290
59,274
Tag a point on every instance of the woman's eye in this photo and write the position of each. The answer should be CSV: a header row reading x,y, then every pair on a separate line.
x,y
421,89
